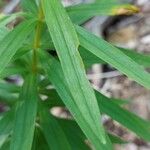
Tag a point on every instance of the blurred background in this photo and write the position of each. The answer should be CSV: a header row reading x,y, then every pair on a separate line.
x,y
126,31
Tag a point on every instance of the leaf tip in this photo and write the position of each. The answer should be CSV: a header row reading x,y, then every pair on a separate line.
x,y
126,10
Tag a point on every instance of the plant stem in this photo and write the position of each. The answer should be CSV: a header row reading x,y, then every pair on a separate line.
x,y
37,39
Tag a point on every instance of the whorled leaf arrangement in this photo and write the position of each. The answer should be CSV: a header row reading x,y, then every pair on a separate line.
x,y
49,48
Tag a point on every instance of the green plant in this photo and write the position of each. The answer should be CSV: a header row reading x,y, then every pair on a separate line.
x,y
29,49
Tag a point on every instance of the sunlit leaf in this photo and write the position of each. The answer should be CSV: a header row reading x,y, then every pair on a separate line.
x,y
55,75
113,56
67,48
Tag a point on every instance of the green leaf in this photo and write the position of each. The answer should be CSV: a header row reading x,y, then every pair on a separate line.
x,y
30,6
12,70
3,32
120,102
24,125
55,75
6,124
70,129
39,142
22,51
74,134
53,98
6,145
13,41
126,118
52,131
82,12
139,58
114,57
7,97
9,87
66,43
88,58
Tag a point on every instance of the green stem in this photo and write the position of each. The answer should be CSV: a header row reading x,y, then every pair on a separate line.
x,y
37,39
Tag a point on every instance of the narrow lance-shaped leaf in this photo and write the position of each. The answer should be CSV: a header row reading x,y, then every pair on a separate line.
x,y
113,56
66,43
55,75
82,12
24,125
53,133
136,124
13,41
89,58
